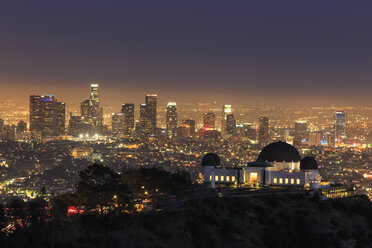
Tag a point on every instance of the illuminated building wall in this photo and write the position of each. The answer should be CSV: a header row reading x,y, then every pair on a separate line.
x,y
263,130
128,110
171,121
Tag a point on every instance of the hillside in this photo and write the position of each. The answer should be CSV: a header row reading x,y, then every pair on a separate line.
x,y
261,221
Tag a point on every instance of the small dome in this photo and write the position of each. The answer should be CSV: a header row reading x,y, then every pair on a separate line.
x,y
279,152
211,159
308,163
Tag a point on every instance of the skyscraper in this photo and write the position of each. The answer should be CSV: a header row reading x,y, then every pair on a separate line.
x,y
47,116
339,127
128,110
300,133
263,130
209,122
36,115
190,125
226,109
143,120
230,123
84,109
118,123
96,112
150,127
171,121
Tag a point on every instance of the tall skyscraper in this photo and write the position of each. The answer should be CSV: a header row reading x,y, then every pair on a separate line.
x,y
300,133
230,123
151,114
190,125
128,110
36,115
263,130
84,109
118,123
143,120
171,121
47,116
226,110
209,122
339,127
96,111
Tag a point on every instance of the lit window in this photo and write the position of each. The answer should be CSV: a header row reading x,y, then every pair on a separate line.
x,y
210,178
222,178
298,181
275,180
233,178
228,178
280,180
292,180
216,178
286,181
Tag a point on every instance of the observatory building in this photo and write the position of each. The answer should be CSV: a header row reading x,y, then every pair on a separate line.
x,y
278,164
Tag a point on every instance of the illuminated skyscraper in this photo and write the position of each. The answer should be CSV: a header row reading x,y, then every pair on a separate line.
x,y
263,130
190,125
171,121
150,127
300,133
226,109
84,109
61,118
209,122
339,127
128,110
47,116
143,119
230,123
118,123
36,115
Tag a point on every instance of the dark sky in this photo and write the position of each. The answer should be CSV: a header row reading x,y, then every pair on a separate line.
x,y
241,51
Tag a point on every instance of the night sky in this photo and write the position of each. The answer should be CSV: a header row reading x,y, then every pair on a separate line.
x,y
313,51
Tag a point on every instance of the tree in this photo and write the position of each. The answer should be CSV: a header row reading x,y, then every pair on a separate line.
x,y
37,210
101,186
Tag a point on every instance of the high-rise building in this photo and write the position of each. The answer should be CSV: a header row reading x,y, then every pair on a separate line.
x,y
61,118
128,110
118,123
47,116
84,109
142,120
263,130
190,125
209,122
171,121
150,127
230,123
36,115
79,126
96,111
339,127
300,133
315,139
226,109
21,127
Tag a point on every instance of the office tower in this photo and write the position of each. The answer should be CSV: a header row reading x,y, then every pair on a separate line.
x,y
61,118
230,123
46,116
84,109
128,110
171,121
118,123
263,130
143,119
300,133
226,109
339,127
150,127
79,126
36,115
209,122
315,139
190,124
